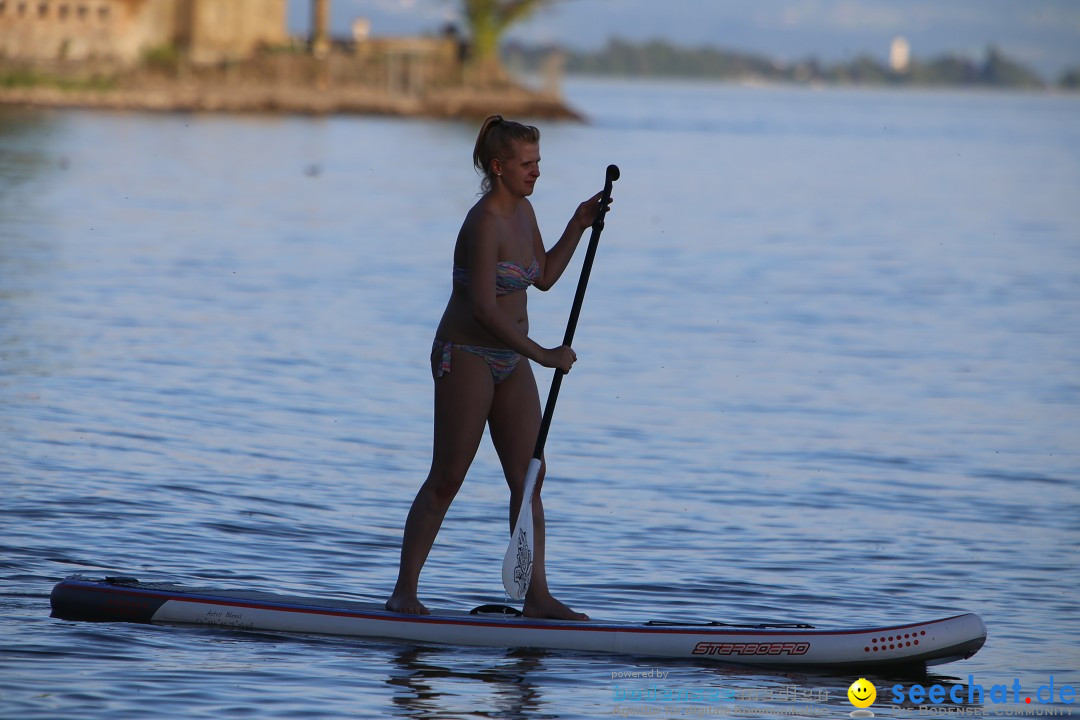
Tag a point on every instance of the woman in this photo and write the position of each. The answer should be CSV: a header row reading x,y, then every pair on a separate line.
x,y
476,357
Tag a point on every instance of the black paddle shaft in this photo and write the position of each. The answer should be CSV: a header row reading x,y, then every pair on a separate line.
x,y
556,382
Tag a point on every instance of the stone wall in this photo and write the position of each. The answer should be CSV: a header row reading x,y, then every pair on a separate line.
x,y
234,29
76,30
409,65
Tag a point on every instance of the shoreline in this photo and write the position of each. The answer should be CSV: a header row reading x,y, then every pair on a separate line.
x,y
451,103
755,83
454,103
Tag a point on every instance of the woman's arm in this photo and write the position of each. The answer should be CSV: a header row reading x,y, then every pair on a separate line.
x,y
554,261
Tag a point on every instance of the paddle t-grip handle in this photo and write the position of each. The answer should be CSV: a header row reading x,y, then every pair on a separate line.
x,y
610,176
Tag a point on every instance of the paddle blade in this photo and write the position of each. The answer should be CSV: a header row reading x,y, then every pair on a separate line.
x,y
518,561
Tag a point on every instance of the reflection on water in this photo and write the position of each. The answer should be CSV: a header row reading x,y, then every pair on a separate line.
x,y
827,375
426,685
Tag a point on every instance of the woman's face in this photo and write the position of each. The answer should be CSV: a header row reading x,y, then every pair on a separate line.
x,y
520,171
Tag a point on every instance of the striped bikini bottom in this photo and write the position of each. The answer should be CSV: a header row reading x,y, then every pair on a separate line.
x,y
500,361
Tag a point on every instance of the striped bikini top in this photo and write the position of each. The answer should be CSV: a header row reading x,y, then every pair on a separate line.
x,y
509,276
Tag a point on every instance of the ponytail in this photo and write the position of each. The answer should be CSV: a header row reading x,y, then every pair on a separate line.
x,y
495,142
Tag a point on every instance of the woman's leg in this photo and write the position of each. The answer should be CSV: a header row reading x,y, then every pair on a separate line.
x,y
462,404
514,423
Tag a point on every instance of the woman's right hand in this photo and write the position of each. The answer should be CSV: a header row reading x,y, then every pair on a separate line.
x,y
561,358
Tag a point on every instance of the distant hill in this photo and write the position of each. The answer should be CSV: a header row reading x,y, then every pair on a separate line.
x,y
1070,79
662,59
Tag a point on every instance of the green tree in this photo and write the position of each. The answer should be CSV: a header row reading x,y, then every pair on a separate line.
x,y
1070,79
487,21
1004,71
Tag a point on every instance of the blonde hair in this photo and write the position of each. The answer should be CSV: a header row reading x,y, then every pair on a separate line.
x,y
495,142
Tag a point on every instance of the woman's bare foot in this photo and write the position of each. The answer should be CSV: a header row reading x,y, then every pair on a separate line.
x,y
406,605
551,609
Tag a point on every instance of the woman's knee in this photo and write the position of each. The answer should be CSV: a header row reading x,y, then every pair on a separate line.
x,y
442,487
516,480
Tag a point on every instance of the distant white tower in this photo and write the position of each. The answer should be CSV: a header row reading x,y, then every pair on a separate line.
x,y
361,29
900,54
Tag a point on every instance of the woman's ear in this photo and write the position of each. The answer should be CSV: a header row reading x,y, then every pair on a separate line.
x,y
496,167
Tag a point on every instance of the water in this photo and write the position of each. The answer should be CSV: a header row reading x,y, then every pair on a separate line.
x,y
828,373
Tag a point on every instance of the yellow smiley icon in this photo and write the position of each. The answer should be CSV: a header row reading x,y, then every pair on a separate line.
x,y
862,693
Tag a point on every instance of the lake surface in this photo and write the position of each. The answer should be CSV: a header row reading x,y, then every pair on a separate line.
x,y
829,372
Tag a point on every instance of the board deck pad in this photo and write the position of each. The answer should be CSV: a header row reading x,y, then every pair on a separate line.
x,y
125,599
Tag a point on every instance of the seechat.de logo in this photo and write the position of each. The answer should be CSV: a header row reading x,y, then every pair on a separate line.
x,y
975,694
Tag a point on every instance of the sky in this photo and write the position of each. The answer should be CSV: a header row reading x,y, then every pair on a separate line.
x,y
1043,34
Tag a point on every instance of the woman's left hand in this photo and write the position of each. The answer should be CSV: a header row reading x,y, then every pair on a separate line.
x,y
586,211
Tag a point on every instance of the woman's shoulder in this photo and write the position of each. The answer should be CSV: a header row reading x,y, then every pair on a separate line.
x,y
480,225
483,220
479,212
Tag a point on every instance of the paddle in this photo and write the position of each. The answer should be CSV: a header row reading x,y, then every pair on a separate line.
x,y
518,562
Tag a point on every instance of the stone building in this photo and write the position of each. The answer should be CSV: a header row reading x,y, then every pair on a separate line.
x,y
206,31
